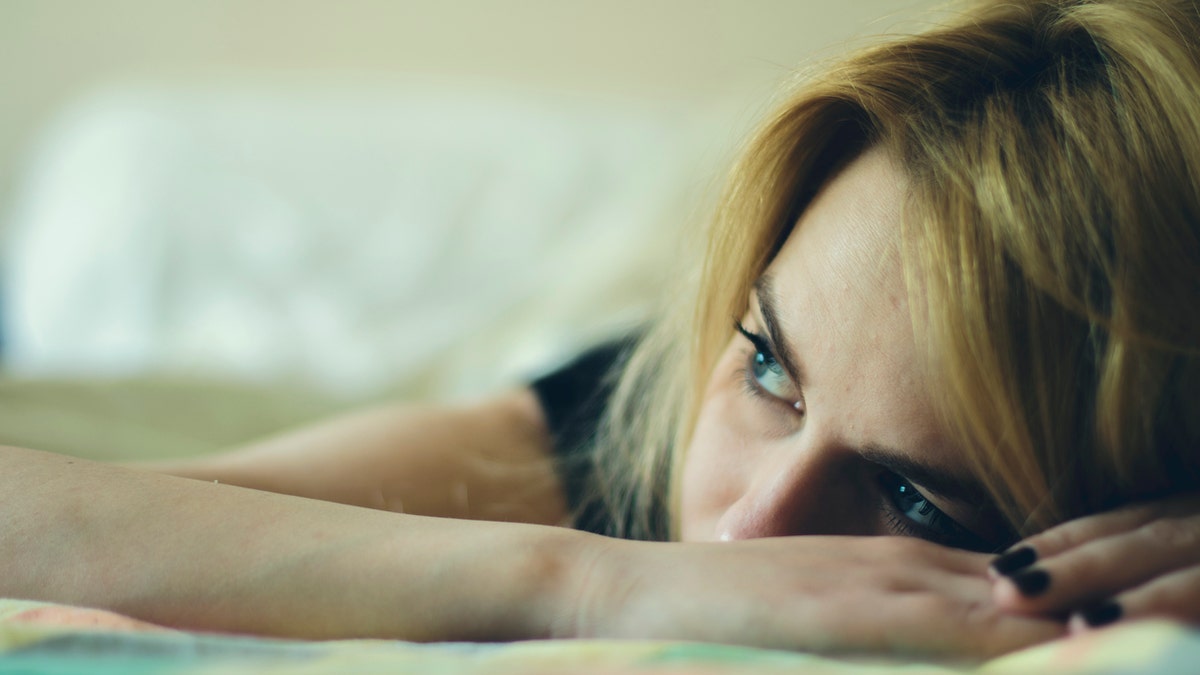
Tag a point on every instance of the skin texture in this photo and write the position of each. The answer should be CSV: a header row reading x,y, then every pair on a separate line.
x,y
484,460
198,555
841,595
800,463
223,558
1143,559
794,463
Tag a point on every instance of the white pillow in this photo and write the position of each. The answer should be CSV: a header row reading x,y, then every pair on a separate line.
x,y
437,239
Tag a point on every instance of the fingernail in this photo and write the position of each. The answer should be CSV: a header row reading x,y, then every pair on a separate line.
x,y
1014,561
1031,583
1102,614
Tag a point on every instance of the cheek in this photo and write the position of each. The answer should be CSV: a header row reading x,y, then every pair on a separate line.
x,y
718,460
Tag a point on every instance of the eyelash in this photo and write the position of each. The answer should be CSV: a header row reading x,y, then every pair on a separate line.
x,y
942,529
888,482
750,383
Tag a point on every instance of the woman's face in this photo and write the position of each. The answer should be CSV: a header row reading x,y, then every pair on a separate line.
x,y
817,418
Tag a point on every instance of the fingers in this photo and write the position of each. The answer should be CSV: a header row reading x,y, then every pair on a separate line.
x,y
1172,596
825,594
1089,528
909,596
1083,530
942,604
1100,568
1135,562
925,623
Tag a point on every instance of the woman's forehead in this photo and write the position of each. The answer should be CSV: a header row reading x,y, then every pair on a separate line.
x,y
839,292
844,252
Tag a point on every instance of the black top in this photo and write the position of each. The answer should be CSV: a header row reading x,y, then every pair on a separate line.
x,y
573,399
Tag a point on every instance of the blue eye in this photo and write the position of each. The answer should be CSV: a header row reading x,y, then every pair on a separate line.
x,y
767,373
911,514
911,503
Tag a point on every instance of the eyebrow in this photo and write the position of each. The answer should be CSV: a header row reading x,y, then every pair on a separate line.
x,y
947,484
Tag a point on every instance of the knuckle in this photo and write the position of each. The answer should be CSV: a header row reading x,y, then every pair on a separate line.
x,y
982,626
1164,604
928,604
1171,533
991,632
1057,539
1070,534
979,615
1054,541
1080,575
1175,596
1076,533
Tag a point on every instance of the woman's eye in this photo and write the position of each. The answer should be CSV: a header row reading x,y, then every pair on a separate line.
x,y
909,502
912,514
765,372
769,373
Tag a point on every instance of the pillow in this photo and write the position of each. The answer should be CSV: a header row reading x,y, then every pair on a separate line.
x,y
417,237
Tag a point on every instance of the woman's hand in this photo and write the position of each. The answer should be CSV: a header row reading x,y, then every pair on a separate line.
x,y
1140,561
828,594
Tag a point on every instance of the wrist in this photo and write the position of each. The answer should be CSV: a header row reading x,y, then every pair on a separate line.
x,y
597,587
562,575
515,581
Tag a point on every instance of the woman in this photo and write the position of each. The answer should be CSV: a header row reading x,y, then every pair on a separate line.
x,y
945,298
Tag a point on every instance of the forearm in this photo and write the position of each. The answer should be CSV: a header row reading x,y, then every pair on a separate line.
x,y
205,556
489,460
216,557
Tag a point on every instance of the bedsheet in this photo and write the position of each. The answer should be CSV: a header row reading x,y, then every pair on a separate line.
x,y
38,637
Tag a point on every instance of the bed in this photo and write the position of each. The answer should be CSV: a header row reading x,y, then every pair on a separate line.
x,y
36,637
188,269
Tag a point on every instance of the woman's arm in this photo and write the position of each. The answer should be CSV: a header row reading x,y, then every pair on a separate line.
x,y
217,557
206,556
214,556
489,460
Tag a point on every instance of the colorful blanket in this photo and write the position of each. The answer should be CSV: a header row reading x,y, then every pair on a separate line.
x,y
40,637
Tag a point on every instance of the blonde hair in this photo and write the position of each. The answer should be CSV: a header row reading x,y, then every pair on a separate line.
x,y
1052,249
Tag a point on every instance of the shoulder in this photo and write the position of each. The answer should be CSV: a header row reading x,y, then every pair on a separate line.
x,y
572,398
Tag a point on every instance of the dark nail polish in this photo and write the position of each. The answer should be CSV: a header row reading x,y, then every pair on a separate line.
x,y
1014,561
1102,614
1031,582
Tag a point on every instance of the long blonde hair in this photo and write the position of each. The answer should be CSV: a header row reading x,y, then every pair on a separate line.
x,y
1052,249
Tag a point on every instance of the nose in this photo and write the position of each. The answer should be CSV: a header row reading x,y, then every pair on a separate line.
x,y
799,493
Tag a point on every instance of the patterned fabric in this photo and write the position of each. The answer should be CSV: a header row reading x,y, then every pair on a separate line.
x,y
39,637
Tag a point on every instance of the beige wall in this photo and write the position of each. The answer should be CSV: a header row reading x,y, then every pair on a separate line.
x,y
53,50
